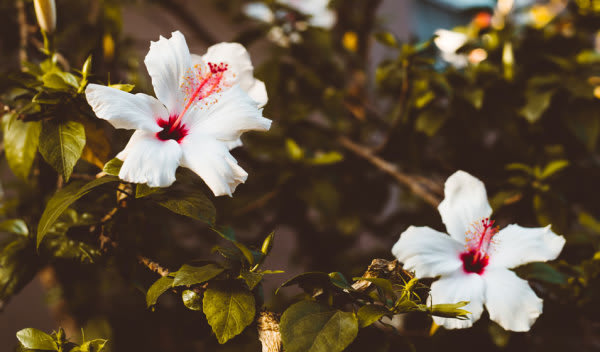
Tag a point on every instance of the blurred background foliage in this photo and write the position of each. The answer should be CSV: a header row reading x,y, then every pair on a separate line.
x,y
359,149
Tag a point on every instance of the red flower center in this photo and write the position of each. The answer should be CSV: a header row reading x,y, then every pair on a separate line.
x,y
170,131
478,241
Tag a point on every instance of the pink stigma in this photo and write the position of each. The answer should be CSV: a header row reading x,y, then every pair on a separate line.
x,y
206,86
478,241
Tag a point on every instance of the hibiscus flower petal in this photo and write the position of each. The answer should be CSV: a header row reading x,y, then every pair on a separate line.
x,y
465,201
240,66
125,110
147,159
233,113
456,288
510,301
210,159
427,252
515,245
168,63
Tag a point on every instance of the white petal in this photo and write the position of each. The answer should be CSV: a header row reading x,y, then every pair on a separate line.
x,y
150,160
515,245
240,69
259,11
465,201
232,114
125,110
449,41
168,63
321,15
509,300
258,92
234,144
210,159
457,288
427,252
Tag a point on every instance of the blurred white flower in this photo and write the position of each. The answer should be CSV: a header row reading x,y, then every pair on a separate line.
x,y
202,109
448,42
286,27
45,12
473,261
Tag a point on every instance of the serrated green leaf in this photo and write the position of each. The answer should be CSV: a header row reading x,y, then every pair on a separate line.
x,y
312,327
189,275
36,340
62,199
191,300
193,204
159,287
113,166
229,307
16,226
21,140
61,145
370,313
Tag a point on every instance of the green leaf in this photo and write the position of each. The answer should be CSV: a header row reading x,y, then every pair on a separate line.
x,y
96,345
450,310
60,80
191,300
553,167
267,244
124,87
113,166
62,199
61,145
36,340
21,140
308,281
537,103
543,272
312,327
229,308
340,281
189,275
387,38
159,287
383,284
251,278
193,204
430,120
18,265
370,313
16,226
142,190
326,158
293,149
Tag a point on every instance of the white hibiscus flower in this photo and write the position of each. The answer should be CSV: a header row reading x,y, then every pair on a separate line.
x,y
201,111
473,261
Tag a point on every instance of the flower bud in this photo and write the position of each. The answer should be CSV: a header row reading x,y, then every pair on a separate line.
x,y
45,11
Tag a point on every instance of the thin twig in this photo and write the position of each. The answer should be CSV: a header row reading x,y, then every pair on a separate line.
x,y
410,181
152,265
